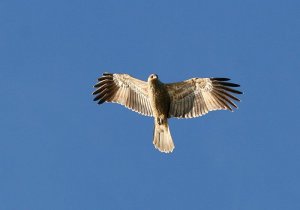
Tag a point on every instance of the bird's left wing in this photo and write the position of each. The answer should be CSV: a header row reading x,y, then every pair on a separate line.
x,y
125,90
197,96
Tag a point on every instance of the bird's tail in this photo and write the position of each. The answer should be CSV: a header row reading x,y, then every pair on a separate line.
x,y
162,139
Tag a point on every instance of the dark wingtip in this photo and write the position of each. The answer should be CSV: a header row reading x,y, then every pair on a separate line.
x,y
103,82
97,85
230,89
229,84
220,78
100,102
107,74
238,92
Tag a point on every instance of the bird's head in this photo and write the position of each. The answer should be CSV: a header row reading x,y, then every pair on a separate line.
x,y
152,77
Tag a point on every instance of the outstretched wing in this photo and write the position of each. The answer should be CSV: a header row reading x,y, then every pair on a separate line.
x,y
125,90
197,96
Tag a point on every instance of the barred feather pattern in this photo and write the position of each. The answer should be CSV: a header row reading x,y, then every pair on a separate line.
x,y
197,96
125,90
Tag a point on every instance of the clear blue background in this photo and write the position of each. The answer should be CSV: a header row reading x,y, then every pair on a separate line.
x,y
60,150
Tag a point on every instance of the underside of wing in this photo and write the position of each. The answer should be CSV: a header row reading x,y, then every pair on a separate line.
x,y
125,90
197,96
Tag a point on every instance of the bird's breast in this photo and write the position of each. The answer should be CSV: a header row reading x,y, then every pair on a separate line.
x,y
159,100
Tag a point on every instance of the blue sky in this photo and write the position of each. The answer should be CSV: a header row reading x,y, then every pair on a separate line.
x,y
59,150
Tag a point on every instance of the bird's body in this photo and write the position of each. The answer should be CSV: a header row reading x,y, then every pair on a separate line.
x,y
190,98
159,97
160,103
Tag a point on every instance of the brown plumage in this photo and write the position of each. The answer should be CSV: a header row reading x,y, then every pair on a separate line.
x,y
190,98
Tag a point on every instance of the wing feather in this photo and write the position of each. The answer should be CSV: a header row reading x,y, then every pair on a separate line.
x,y
125,90
197,96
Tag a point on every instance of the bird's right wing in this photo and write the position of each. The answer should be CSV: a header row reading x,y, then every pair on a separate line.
x,y
125,90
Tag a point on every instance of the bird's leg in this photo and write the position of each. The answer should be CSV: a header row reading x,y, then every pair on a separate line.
x,y
159,120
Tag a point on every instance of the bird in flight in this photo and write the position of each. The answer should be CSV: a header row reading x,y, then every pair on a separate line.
x,y
187,99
